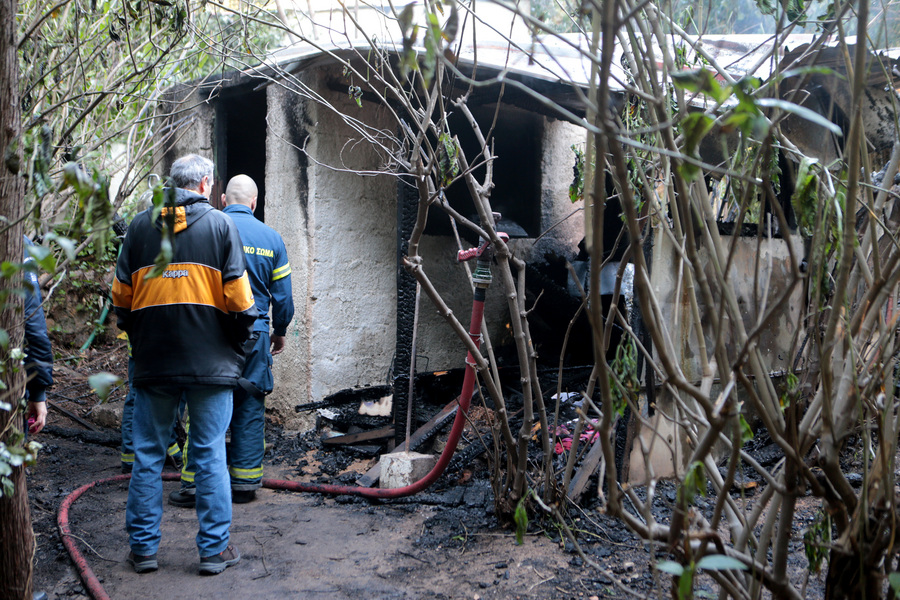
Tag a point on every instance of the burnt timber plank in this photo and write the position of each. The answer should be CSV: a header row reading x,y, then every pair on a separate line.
x,y
372,475
362,436
583,474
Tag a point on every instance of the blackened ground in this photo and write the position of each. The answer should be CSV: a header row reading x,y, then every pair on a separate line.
x,y
445,543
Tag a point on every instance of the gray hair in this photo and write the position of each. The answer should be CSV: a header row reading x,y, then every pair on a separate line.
x,y
188,171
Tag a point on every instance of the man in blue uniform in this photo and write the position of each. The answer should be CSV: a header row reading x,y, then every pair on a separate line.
x,y
38,353
187,326
270,280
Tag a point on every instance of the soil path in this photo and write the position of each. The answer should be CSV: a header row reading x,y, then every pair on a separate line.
x,y
295,545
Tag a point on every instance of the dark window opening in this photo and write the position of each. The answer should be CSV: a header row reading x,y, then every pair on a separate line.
x,y
516,195
758,217
241,142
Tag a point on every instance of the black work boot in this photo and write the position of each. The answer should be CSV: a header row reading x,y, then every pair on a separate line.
x,y
185,497
242,496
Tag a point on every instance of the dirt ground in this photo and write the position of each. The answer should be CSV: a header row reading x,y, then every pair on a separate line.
x,y
444,543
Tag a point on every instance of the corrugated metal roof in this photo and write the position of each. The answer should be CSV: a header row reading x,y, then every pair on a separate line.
x,y
564,59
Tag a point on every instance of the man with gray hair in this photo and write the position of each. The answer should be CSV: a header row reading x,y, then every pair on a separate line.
x,y
186,323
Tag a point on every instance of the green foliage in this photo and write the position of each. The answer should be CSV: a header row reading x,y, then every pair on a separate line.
x,y
410,32
805,199
163,198
720,562
694,483
576,188
520,516
15,452
894,581
817,541
434,38
561,16
623,378
794,9
94,211
448,159
701,81
746,430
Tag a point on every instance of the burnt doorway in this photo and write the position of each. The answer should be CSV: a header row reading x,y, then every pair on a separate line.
x,y
241,141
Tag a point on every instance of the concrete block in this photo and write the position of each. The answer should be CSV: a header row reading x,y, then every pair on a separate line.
x,y
108,414
404,468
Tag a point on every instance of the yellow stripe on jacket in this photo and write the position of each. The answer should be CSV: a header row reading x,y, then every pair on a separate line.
x,y
180,283
122,294
238,295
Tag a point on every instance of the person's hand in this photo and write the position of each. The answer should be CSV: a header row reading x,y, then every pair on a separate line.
x,y
36,414
277,344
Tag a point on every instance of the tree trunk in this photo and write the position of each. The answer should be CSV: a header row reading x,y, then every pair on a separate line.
x,y
16,536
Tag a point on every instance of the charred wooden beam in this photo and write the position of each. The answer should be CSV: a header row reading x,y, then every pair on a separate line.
x,y
360,436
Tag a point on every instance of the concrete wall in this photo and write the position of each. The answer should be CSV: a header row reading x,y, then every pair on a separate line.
x,y
352,282
287,211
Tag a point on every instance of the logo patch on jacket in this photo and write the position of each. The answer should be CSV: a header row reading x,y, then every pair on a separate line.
x,y
175,273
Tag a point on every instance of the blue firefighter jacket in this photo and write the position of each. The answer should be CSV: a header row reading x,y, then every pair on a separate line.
x,y
267,267
38,353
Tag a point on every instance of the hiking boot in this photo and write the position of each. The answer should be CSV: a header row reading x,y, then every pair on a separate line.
x,y
242,496
213,565
183,497
142,564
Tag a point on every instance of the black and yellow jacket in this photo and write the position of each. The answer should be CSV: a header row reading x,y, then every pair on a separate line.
x,y
186,326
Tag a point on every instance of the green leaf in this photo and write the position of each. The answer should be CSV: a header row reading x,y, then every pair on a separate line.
x,y
686,582
404,19
43,257
720,562
162,259
766,7
694,483
695,126
451,27
688,170
701,81
67,245
8,489
894,580
671,567
10,269
796,10
448,159
520,516
102,384
801,111
746,430
805,199
576,189
4,339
